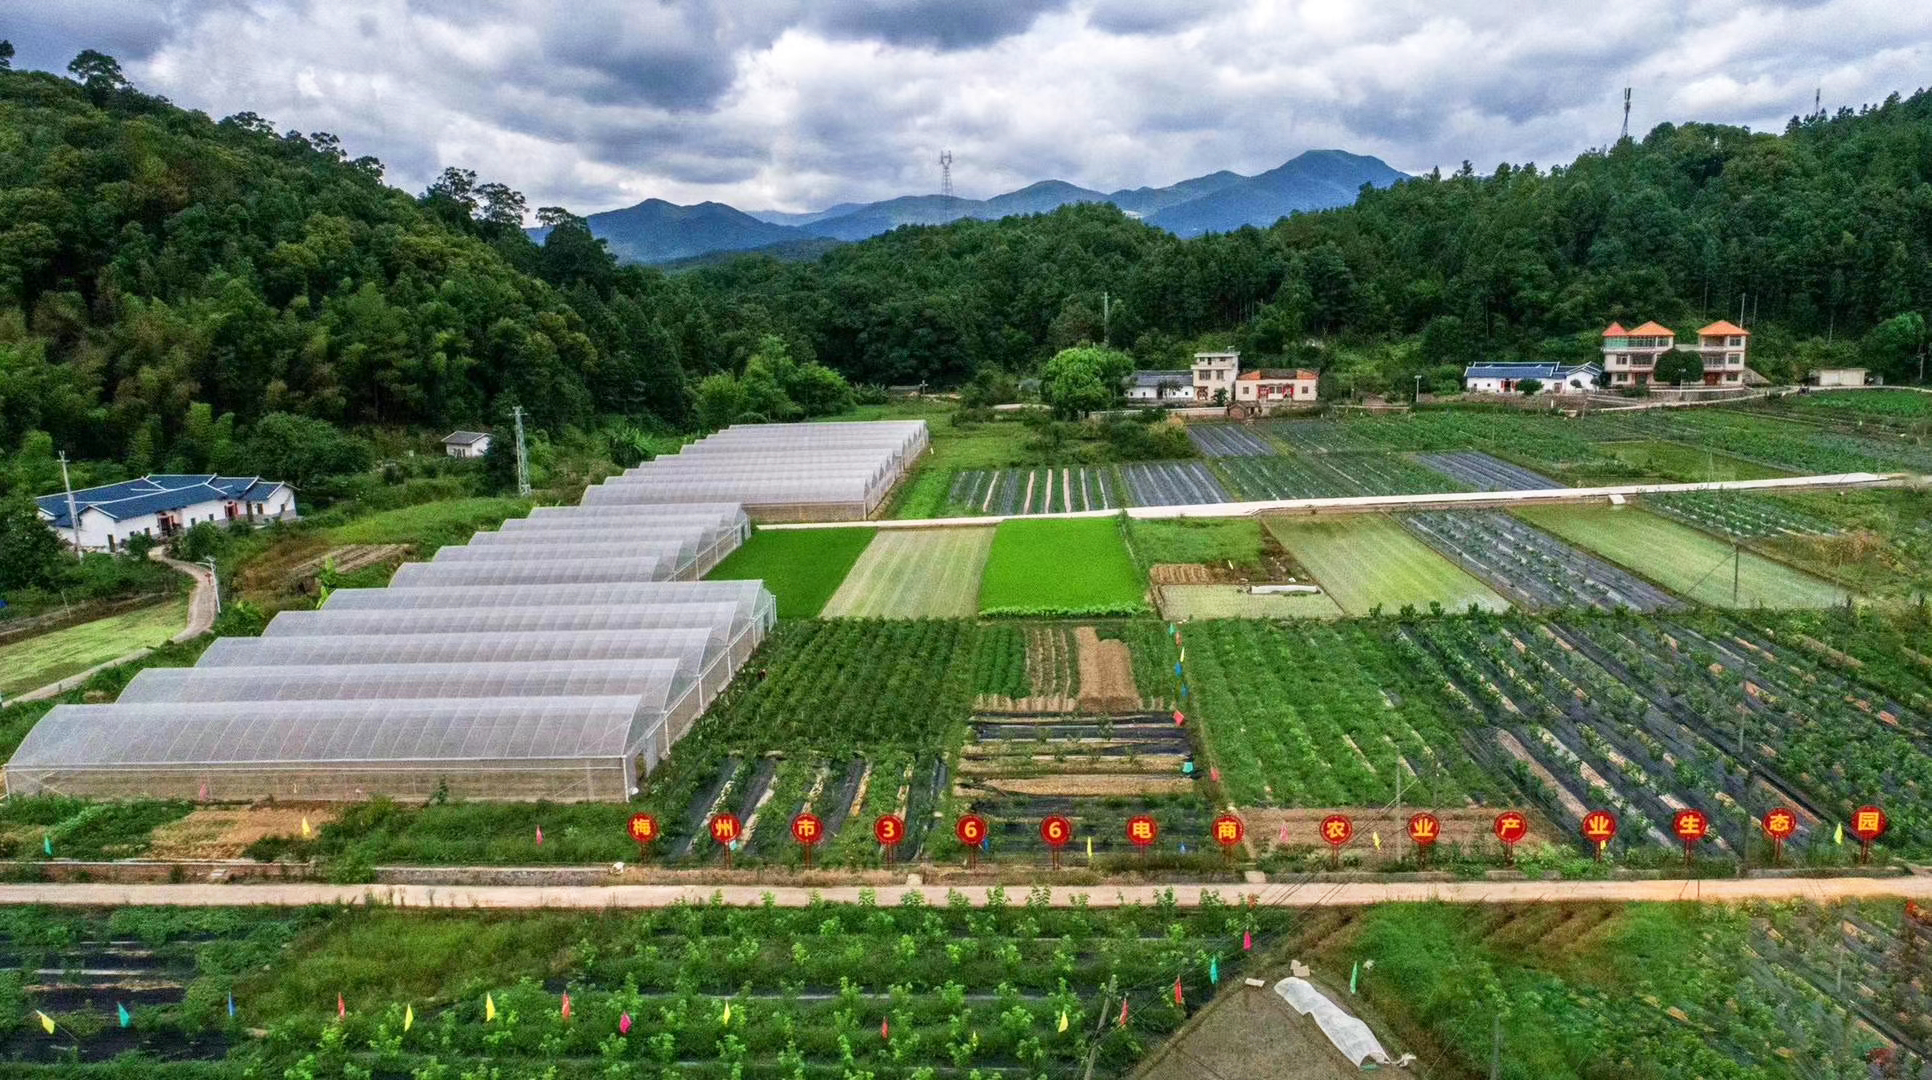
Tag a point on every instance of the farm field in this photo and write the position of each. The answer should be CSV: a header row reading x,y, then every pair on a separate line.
x,y
1184,602
1778,443
1228,440
915,574
1172,483
1739,515
44,658
1529,565
1550,442
1369,563
1860,404
1032,491
1478,471
1689,464
1690,563
1236,541
1880,542
801,568
1061,566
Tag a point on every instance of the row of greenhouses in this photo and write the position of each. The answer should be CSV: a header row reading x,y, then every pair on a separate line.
x,y
559,657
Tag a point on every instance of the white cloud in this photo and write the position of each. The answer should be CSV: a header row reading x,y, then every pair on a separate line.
x,y
781,103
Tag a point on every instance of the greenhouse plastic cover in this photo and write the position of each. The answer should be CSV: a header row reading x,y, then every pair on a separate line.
x,y
309,732
656,682
723,620
680,551
694,648
750,594
1349,1034
540,572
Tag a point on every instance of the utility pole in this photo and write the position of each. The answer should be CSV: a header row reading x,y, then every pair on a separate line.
x,y
1418,389
1400,824
523,457
73,519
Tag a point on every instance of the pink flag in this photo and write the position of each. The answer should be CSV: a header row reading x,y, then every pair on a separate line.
x,y
341,1008
1177,990
885,1028
1247,941
1123,1011
1283,838
1214,773
566,1006
624,1024
539,836
1178,718
204,791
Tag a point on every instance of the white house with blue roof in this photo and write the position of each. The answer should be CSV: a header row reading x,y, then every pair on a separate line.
x,y
1509,378
159,506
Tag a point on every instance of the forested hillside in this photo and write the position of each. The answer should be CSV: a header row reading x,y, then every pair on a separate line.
x,y
1826,230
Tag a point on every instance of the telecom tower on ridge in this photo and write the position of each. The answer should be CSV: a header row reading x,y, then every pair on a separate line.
x,y
1625,133
946,174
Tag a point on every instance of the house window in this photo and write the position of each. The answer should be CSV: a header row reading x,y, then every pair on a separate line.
x,y
1730,376
1733,358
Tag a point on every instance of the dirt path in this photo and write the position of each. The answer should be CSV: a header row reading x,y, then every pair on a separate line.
x,y
1300,895
1106,674
201,606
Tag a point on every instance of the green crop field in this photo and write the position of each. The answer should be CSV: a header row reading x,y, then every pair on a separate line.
x,y
1368,561
1690,563
37,661
1690,464
1070,567
1195,540
1183,602
801,567
913,574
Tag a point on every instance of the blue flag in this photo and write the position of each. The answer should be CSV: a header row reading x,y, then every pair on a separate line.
x,y
231,1004
1183,691
1214,969
1177,670
125,1018
47,843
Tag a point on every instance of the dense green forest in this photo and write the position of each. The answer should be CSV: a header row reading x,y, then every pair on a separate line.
x,y
178,292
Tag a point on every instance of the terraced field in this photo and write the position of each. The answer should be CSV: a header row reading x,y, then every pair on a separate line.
x,y
1370,563
915,574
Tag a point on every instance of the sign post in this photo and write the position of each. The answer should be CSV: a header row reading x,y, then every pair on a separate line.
x,y
890,831
1228,831
1599,827
1057,832
1868,824
726,829
971,830
1779,825
808,830
1142,831
1510,827
643,829
1424,830
1336,831
1690,827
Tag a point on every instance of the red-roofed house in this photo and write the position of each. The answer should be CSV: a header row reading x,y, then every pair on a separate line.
x,y
1629,356
1723,345
1267,388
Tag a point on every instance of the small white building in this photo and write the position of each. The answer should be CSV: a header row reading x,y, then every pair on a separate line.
x,y
1509,378
1839,376
1160,388
1266,389
466,444
159,506
1215,371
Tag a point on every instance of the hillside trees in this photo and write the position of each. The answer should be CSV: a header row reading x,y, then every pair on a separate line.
x,y
1082,380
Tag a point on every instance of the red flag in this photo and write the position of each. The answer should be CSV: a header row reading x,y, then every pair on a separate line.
x,y
1123,1011
1178,718
341,1008
885,1028
539,836
566,1006
624,1024
1177,990
1247,941
1214,773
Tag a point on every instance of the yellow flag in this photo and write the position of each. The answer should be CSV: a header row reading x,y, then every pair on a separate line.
x,y
1089,849
1183,654
1839,836
1063,1020
46,1021
1377,837
489,1008
409,1016
306,830
727,1014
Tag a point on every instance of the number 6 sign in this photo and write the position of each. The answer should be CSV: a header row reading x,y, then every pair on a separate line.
x,y
1057,832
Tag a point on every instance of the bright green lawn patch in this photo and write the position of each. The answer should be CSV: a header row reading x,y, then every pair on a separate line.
x,y
1368,561
801,567
1195,540
37,661
433,524
915,574
1690,563
1061,567
1689,464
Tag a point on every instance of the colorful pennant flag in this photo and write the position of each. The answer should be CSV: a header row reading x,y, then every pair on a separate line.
x,y
1214,971
231,1004
1179,719
1247,941
1377,837
1172,629
46,1022
1837,837
726,1018
341,1008
566,1005
47,840
1177,990
624,1024
1123,1010
204,791
1214,773
1183,691
489,1008
885,1028
1354,975
539,836
307,830
126,1019
1177,669
1184,654
1089,849
1062,1025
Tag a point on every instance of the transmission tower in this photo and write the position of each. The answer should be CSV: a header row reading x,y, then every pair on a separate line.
x,y
1818,101
1625,133
946,174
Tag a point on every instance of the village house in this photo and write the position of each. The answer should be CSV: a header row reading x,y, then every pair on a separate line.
x,y
1160,388
466,444
1508,378
160,506
1268,388
1630,356
1214,372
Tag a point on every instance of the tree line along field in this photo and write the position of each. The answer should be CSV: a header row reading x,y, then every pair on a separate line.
x,y
916,990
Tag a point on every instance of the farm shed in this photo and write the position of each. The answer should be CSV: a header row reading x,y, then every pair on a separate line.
x,y
778,472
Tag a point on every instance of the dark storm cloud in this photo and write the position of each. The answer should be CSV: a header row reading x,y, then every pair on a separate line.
x,y
941,24
1150,16
48,35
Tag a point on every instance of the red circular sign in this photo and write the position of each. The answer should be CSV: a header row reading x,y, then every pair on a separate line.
x,y
890,830
1337,829
971,830
1227,830
1510,827
725,828
1056,831
1142,831
807,829
1425,829
1690,825
1781,823
1869,823
1599,826
643,828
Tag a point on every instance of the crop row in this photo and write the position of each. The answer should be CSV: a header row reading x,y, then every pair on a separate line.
x,y
1478,471
1781,443
1226,440
1530,565
1032,491
1172,483
1739,515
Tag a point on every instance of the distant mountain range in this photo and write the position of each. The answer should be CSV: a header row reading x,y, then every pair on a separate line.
x,y
655,231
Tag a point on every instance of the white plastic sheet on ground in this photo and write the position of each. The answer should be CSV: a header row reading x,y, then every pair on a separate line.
x,y
1352,1037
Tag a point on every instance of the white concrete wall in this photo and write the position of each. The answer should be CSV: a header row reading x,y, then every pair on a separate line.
x,y
474,450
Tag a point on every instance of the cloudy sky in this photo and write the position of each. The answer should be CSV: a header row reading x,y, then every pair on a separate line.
x,y
796,104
